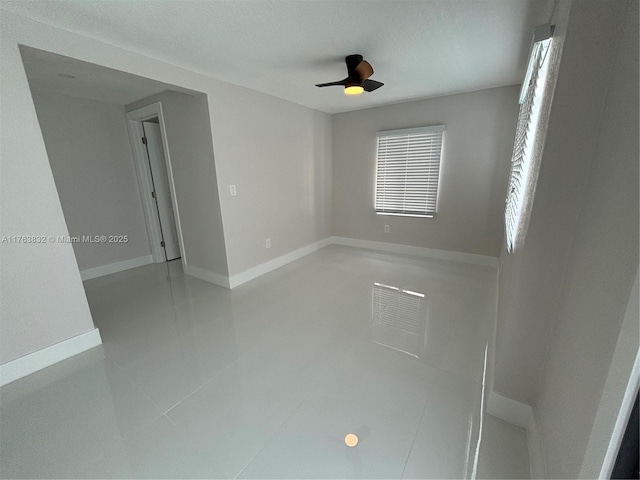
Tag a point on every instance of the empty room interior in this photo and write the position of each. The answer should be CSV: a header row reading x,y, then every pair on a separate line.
x,y
319,239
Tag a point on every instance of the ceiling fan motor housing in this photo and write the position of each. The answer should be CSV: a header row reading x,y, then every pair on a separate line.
x,y
359,71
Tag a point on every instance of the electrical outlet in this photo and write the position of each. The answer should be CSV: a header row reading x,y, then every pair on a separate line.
x,y
232,190
386,229
267,243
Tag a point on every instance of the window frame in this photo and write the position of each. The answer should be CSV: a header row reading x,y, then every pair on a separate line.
x,y
433,129
525,160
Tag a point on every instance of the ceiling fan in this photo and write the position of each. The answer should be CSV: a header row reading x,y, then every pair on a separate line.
x,y
358,80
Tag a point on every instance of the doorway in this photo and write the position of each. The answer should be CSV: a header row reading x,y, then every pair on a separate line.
x,y
161,192
155,177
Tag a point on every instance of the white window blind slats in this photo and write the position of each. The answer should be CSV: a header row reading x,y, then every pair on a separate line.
x,y
522,155
516,186
407,171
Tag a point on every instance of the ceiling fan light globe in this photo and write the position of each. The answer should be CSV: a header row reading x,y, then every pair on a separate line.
x,y
353,90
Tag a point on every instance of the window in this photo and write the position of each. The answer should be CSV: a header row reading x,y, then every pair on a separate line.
x,y
525,160
407,171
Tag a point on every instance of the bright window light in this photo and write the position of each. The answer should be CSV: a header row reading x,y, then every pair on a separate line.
x,y
526,153
408,171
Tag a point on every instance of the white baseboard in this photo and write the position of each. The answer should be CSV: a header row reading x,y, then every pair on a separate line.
x,y
207,276
471,258
511,411
255,272
534,443
32,362
116,267
521,415
259,270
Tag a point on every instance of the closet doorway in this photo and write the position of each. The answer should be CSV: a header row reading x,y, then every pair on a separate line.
x,y
155,176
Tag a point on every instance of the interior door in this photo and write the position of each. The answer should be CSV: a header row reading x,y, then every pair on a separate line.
x,y
158,167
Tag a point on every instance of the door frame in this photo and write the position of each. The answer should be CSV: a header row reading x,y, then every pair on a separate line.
x,y
134,120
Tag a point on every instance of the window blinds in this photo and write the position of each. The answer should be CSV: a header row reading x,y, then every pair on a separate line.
x,y
521,178
399,319
407,171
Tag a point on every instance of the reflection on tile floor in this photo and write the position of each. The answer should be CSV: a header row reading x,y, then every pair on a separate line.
x,y
264,381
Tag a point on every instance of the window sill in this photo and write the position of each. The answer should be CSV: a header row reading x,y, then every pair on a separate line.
x,y
405,215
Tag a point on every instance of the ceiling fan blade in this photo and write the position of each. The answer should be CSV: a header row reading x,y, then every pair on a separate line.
x,y
371,85
352,63
330,84
364,70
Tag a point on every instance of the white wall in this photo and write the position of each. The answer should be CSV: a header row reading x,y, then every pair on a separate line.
x,y
90,155
480,128
601,269
532,278
618,394
277,153
562,297
188,131
42,301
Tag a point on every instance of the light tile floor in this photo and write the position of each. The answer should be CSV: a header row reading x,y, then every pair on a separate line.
x,y
264,381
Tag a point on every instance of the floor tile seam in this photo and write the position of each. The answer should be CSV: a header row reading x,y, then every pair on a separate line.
x,y
409,256
135,431
160,409
207,382
312,388
135,318
154,315
415,436
259,450
191,299
193,446
140,388
457,375
276,430
214,377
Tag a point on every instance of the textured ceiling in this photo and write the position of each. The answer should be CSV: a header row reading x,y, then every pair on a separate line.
x,y
48,72
419,49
